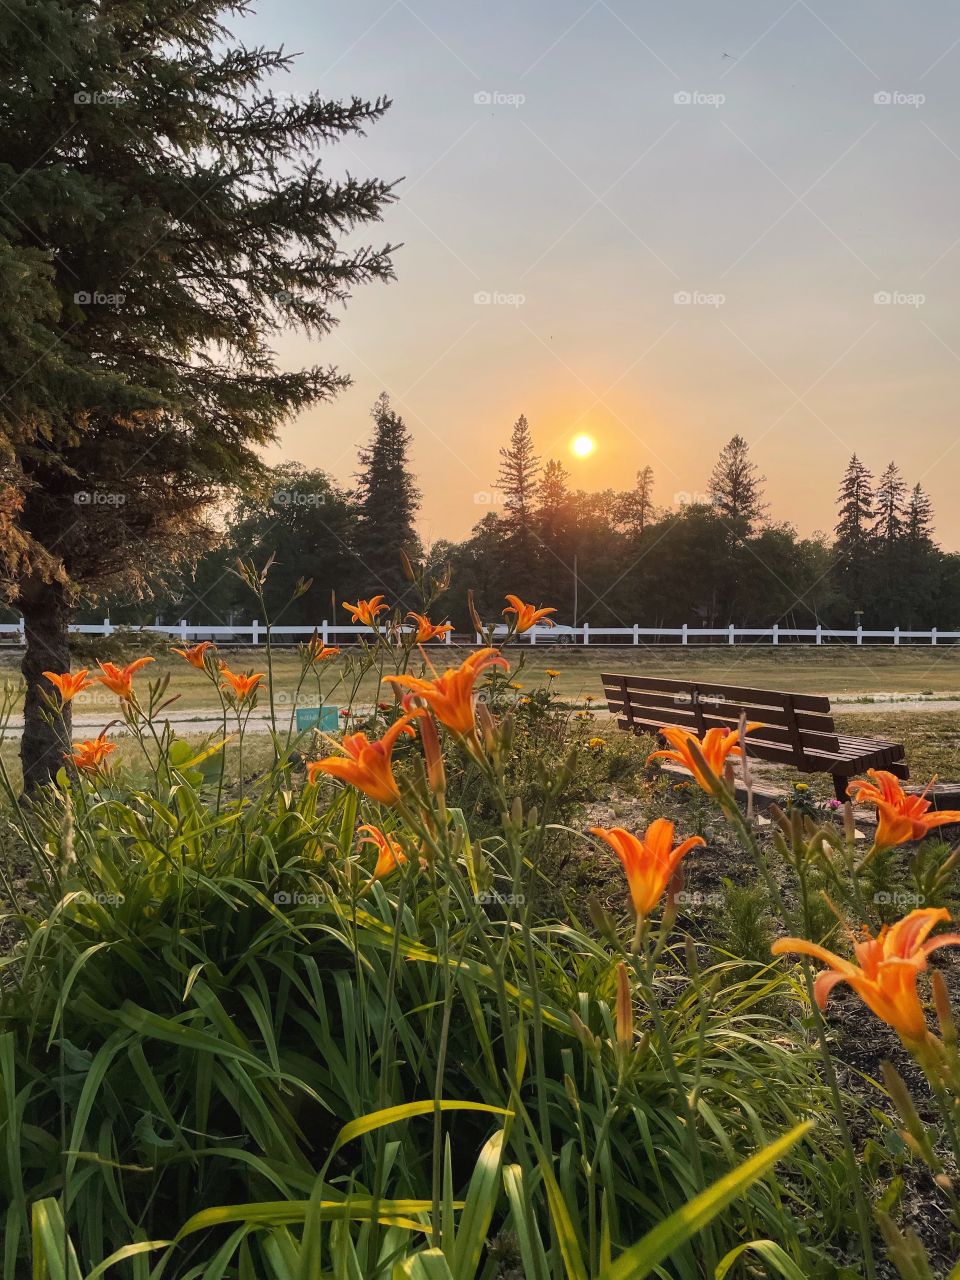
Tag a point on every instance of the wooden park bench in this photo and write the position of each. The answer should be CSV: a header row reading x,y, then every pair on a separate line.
x,y
798,728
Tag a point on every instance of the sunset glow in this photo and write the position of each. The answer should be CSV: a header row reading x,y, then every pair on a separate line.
x,y
582,446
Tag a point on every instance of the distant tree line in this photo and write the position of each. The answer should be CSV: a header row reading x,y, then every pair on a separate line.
x,y
612,558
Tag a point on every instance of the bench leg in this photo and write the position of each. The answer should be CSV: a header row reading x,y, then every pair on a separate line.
x,y
840,787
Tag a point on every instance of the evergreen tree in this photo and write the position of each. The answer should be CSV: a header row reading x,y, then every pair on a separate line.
x,y
556,526
889,506
918,528
923,565
517,481
853,533
736,488
387,501
635,509
163,215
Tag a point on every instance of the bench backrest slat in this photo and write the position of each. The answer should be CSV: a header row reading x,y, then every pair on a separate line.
x,y
797,727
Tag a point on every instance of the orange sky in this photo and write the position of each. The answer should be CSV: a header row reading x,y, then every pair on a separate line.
x,y
574,171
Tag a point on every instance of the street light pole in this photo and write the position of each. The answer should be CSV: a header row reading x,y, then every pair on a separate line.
x,y
575,584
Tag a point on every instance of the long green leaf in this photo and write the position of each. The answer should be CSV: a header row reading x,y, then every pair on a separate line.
x,y
676,1230
407,1111
769,1251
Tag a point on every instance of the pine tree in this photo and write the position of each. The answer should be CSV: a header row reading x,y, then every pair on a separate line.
x,y
387,501
919,520
636,509
889,506
852,546
553,506
736,488
517,481
556,521
163,215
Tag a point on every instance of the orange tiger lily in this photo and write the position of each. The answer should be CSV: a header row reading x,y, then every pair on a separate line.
x,y
649,861
242,686
88,756
316,651
194,654
367,611
886,971
119,680
69,683
899,817
390,853
427,630
716,747
528,615
367,765
451,696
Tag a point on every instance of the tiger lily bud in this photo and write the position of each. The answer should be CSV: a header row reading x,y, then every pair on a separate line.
x,y
941,1002
436,777
624,1008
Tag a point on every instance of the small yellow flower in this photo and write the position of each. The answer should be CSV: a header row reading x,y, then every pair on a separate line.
x,y
597,744
801,786
513,685
552,674
588,697
523,701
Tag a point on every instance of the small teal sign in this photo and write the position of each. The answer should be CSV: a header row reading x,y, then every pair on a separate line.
x,y
326,719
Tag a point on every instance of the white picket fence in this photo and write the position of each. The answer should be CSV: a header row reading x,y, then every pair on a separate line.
x,y
254,633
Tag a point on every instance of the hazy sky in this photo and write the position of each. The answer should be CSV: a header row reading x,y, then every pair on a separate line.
x,y
581,165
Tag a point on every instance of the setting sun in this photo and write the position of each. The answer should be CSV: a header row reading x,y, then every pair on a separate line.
x,y
582,446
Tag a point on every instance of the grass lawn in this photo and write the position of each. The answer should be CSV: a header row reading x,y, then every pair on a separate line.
x,y
843,671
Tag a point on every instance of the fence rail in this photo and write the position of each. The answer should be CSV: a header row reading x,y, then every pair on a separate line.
x,y
255,633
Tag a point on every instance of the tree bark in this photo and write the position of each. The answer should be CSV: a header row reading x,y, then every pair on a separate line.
x,y
46,734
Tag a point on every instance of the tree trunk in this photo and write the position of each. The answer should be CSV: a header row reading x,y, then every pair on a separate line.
x,y
46,734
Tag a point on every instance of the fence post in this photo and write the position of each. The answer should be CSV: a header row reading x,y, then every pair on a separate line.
x,y
776,633
586,633
23,630
478,638
819,633
896,635
183,630
255,632
860,633
447,637
683,636
107,629
636,633
733,639
533,635
933,635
